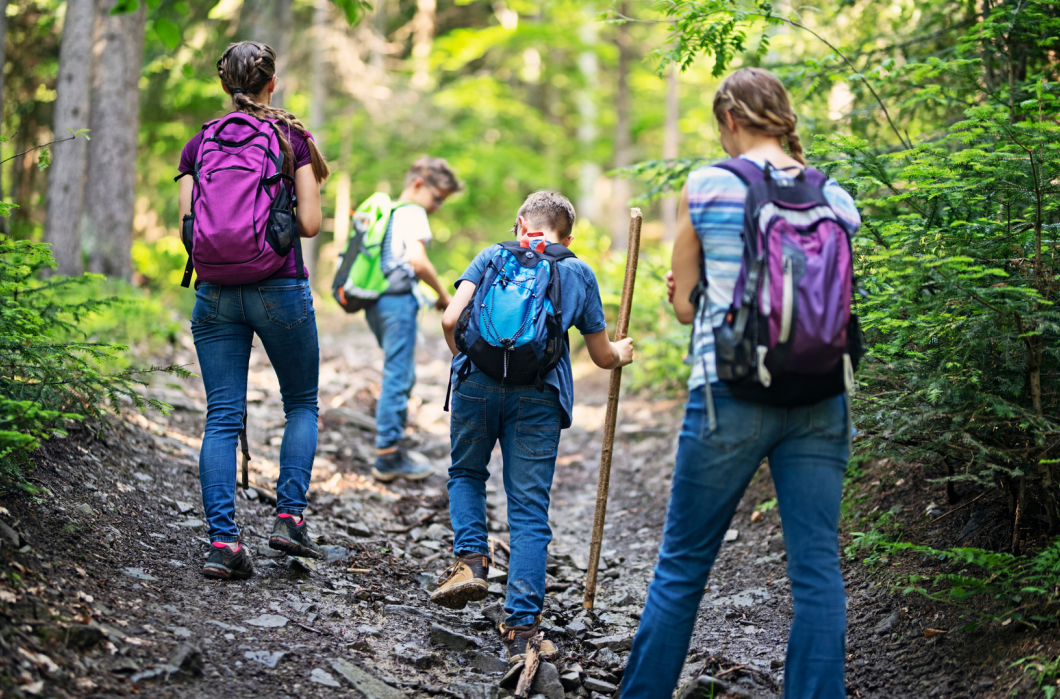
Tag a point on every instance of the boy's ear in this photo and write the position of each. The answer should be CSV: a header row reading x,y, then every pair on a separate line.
x,y
567,242
521,226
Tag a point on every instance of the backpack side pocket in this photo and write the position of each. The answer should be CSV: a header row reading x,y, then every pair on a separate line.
x,y
282,228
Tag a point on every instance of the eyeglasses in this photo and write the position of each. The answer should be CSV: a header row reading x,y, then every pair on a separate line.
x,y
439,199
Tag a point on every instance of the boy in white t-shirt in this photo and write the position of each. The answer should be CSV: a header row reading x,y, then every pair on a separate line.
x,y
393,318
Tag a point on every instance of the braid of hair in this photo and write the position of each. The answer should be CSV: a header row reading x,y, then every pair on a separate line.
x,y
791,140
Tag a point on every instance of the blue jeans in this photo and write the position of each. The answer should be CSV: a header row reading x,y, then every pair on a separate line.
x,y
527,423
393,322
808,448
223,324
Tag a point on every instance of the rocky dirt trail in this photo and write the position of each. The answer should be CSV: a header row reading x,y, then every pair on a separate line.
x,y
102,594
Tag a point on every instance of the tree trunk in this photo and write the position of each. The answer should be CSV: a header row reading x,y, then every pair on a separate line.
x,y
25,170
588,202
422,39
3,54
66,176
671,138
284,22
115,121
343,205
620,190
317,95
380,22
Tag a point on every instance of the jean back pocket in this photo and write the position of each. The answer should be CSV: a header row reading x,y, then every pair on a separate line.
x,y
286,306
207,300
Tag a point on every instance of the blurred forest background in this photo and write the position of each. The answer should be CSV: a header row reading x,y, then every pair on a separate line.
x,y
940,116
516,95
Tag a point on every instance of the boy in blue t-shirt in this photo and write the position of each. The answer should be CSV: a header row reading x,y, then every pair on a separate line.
x,y
527,422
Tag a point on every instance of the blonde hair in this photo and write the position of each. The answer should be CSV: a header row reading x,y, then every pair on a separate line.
x,y
245,69
757,100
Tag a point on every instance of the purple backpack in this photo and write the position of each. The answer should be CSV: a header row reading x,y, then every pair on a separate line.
x,y
242,224
789,337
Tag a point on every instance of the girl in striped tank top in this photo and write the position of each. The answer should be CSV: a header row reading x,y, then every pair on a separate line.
x,y
723,440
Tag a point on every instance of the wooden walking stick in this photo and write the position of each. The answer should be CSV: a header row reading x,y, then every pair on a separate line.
x,y
604,479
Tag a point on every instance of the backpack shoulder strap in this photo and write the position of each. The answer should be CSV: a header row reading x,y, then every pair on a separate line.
x,y
559,252
748,172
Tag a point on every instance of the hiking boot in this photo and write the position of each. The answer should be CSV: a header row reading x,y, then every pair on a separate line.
x,y
516,639
463,582
226,564
293,539
397,464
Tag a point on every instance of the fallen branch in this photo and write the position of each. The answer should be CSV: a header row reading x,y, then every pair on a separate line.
x,y
533,659
309,628
959,508
734,668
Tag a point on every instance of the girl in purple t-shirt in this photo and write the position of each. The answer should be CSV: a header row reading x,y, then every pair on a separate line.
x,y
280,310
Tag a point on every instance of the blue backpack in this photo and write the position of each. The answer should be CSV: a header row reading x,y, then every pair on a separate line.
x,y
512,329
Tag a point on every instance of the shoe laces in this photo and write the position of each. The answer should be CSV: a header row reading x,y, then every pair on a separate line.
x,y
448,573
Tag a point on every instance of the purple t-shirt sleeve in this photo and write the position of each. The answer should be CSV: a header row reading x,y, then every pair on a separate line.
x,y
187,156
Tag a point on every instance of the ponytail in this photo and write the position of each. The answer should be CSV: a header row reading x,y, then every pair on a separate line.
x,y
245,69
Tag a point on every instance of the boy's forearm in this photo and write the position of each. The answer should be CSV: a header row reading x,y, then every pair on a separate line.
x,y
450,339
429,276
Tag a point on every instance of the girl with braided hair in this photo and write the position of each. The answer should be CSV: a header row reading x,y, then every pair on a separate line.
x,y
724,439
278,309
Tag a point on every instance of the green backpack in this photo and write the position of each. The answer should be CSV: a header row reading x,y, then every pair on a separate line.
x,y
361,279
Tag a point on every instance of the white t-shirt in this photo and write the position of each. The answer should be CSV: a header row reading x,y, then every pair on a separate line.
x,y
409,223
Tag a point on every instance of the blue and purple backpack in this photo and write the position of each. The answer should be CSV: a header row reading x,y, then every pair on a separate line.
x,y
242,224
512,328
789,337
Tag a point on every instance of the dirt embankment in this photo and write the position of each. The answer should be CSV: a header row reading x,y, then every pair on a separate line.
x,y
102,593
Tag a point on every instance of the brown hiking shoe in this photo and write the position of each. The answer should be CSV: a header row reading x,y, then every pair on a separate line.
x,y
463,582
516,639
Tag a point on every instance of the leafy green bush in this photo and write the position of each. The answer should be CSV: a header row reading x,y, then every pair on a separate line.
x,y
959,262
1025,589
1047,671
47,375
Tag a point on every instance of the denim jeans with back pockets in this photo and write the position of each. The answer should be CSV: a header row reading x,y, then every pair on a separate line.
x,y
808,448
393,322
527,424
223,323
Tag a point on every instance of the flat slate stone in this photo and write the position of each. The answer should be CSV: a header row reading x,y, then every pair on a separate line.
x,y
191,523
138,574
594,685
364,682
323,677
268,621
266,658
615,643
